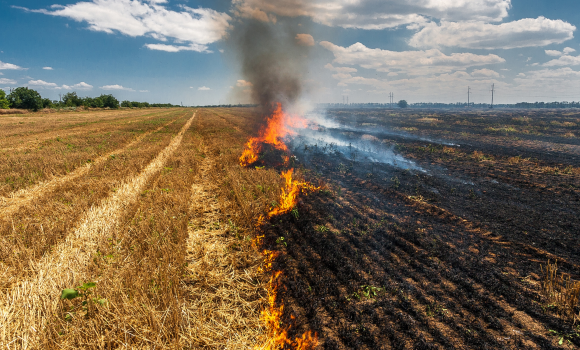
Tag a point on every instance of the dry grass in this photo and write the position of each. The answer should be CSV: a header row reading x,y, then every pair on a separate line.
x,y
12,111
25,195
61,155
28,308
223,291
17,131
29,227
561,291
167,242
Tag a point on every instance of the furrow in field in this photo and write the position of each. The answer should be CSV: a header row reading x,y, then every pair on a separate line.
x,y
16,131
9,205
34,229
223,300
34,140
23,309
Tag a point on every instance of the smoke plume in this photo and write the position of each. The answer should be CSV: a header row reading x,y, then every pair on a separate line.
x,y
273,58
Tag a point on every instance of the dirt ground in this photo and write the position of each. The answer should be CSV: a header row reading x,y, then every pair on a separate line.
x,y
448,258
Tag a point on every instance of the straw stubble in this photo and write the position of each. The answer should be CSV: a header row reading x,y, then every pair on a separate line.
x,y
25,308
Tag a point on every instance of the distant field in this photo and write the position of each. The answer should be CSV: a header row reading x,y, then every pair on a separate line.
x,y
428,231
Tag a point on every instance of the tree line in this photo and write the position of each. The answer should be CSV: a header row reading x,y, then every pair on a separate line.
x,y
25,98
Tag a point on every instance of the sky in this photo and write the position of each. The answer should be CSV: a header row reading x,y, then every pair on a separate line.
x,y
180,51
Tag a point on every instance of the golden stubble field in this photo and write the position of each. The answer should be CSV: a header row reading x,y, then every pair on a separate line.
x,y
144,216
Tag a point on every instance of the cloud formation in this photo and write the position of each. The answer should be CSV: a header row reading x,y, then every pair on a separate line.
x,y
4,81
564,60
116,87
11,66
527,32
409,62
46,85
374,14
203,88
191,29
47,68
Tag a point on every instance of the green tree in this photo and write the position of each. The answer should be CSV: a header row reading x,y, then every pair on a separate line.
x,y
109,101
71,99
25,98
47,103
4,104
92,102
126,103
402,104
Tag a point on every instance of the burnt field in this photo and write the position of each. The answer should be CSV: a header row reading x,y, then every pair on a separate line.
x,y
433,230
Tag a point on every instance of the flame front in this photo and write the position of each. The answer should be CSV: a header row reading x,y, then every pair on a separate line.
x,y
271,134
289,196
278,335
277,127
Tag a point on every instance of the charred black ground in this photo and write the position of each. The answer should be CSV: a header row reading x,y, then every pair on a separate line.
x,y
389,258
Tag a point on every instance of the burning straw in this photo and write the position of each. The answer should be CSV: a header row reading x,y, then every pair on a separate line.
x,y
272,134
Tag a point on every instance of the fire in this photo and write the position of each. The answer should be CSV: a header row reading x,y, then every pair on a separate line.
x,y
278,126
272,319
290,193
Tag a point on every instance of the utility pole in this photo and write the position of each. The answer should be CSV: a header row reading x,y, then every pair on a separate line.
x,y
468,92
492,91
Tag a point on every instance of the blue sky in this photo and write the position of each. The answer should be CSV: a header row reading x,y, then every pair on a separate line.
x,y
178,50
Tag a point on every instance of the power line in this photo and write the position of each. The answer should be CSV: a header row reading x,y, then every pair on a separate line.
x,y
492,91
468,92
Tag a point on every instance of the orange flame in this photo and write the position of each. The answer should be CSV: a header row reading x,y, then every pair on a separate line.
x,y
290,193
271,134
278,126
272,319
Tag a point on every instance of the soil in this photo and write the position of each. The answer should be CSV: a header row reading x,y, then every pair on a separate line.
x,y
448,258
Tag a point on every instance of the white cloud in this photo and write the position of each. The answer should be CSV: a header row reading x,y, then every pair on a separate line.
x,y
7,66
82,86
527,32
547,84
410,62
196,27
46,85
485,73
143,90
203,88
177,48
243,83
374,14
568,50
553,53
42,84
305,39
564,60
47,68
115,87
340,69
4,81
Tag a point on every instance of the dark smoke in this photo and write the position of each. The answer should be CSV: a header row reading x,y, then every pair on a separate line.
x,y
272,60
